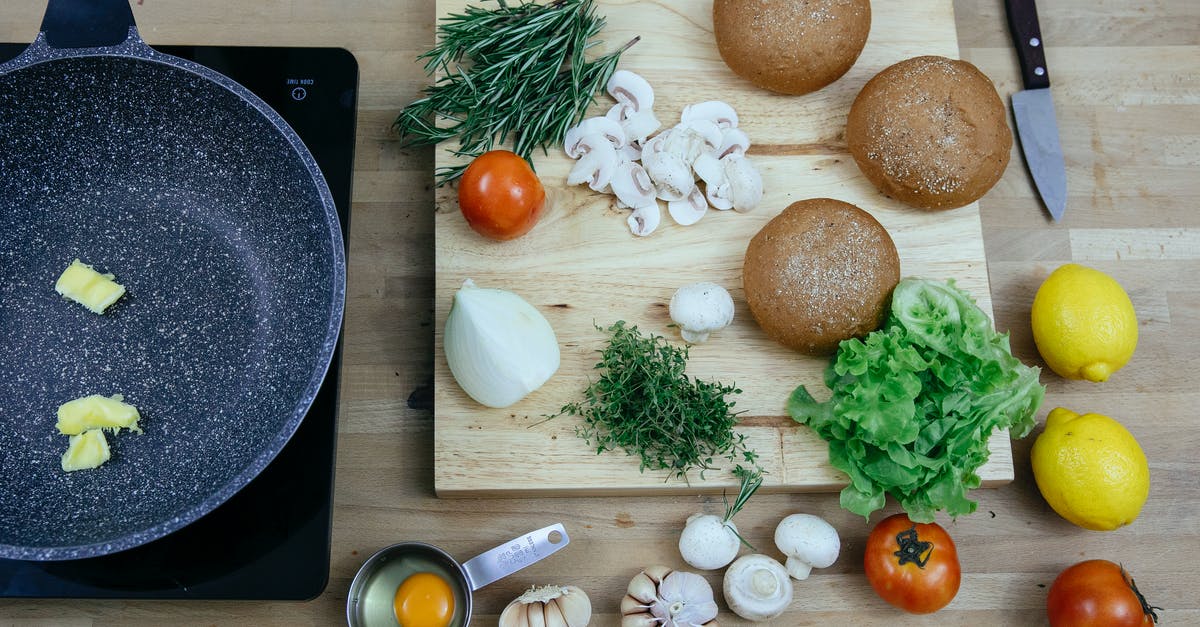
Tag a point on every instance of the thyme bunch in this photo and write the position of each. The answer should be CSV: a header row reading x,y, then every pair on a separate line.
x,y
518,71
644,404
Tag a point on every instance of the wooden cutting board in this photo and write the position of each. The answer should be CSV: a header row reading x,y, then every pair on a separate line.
x,y
580,266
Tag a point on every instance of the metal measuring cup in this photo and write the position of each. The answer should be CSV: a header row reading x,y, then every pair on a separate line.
x,y
465,577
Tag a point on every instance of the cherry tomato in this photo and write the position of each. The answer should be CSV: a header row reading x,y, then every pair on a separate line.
x,y
913,566
500,196
1097,592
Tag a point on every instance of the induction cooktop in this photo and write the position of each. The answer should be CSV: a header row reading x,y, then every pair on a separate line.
x,y
271,540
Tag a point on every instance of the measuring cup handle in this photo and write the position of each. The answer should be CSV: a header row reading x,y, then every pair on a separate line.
x,y
514,555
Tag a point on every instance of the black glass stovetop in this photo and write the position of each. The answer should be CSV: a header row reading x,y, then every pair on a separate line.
x,y
271,540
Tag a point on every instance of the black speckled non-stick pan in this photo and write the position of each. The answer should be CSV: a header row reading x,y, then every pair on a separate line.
x,y
212,213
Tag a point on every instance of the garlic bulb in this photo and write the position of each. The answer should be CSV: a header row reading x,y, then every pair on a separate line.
x,y
659,596
548,606
498,346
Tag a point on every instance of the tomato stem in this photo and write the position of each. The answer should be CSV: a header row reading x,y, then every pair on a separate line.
x,y
913,549
1147,609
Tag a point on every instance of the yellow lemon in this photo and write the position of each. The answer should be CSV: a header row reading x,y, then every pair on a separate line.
x,y
1083,323
1090,469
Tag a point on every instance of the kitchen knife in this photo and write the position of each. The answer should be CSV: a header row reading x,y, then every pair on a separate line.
x,y
1033,109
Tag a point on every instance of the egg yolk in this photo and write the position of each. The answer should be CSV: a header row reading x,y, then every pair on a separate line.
x,y
424,600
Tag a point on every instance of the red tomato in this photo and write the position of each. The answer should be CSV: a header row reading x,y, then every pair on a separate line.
x,y
1100,593
912,566
500,196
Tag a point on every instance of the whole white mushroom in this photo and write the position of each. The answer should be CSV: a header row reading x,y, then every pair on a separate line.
x,y
809,542
757,587
700,309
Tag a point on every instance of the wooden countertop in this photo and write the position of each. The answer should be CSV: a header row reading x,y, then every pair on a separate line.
x,y
1127,92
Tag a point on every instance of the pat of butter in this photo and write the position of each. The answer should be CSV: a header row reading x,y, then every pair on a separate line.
x,y
82,284
97,412
86,450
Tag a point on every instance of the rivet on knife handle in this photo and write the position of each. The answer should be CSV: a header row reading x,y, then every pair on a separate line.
x,y
1027,36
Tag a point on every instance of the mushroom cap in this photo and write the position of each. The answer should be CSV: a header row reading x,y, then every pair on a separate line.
x,y
701,308
757,587
809,542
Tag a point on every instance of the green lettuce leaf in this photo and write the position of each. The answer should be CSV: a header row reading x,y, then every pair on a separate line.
x,y
914,403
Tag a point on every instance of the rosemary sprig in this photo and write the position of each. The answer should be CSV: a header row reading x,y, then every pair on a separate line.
x,y
644,404
749,483
518,72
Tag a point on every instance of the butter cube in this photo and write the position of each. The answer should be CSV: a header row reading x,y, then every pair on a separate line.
x,y
97,412
86,450
82,284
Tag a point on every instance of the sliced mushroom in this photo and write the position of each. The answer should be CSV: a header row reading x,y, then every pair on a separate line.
x,y
745,183
672,175
576,144
619,112
734,141
596,167
693,138
657,143
689,210
631,151
714,111
628,88
710,170
632,185
638,126
645,219
720,197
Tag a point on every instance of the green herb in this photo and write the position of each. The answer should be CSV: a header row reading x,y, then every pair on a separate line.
x,y
513,70
749,481
644,404
914,403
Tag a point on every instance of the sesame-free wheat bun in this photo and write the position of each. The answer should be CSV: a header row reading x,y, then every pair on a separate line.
x,y
791,46
819,273
930,132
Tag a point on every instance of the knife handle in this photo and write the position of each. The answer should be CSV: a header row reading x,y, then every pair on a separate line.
x,y
1027,36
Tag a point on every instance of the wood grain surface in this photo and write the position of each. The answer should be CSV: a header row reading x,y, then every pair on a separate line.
x,y
580,266
1127,92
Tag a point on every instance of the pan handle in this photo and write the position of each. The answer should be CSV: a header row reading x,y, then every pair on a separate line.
x,y
87,23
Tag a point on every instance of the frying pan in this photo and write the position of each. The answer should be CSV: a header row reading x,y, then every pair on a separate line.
x,y
210,210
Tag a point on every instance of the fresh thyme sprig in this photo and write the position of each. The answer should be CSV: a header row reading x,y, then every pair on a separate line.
x,y
644,404
513,71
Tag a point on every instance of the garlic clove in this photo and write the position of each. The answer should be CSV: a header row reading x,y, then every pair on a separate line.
x,y
554,616
499,347
575,607
535,615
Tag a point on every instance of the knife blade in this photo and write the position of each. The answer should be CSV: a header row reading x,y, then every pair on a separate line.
x,y
1033,109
